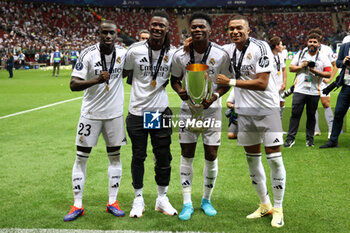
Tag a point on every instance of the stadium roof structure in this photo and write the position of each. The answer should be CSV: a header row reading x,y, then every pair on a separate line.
x,y
192,3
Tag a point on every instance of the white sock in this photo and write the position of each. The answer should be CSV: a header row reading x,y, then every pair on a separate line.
x,y
210,173
278,177
258,177
114,175
138,192
186,177
162,190
317,127
78,177
328,114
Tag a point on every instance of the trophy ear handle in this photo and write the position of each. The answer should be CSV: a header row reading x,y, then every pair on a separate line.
x,y
206,76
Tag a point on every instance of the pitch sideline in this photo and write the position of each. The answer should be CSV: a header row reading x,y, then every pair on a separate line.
x,y
38,108
50,105
38,230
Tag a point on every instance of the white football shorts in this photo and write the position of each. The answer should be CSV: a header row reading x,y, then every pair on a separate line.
x,y
89,130
253,130
211,135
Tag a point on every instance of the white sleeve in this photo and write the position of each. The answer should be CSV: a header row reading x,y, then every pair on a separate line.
x,y
82,67
283,63
326,63
264,61
176,66
226,67
295,60
129,60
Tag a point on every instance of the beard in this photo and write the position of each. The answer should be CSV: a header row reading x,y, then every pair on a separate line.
x,y
312,49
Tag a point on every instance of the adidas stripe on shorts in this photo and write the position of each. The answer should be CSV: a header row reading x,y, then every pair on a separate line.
x,y
253,130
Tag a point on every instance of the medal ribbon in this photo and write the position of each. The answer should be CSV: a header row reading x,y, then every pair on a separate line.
x,y
278,62
159,62
237,67
104,64
205,56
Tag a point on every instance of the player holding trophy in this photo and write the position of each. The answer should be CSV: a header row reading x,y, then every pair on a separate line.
x,y
210,58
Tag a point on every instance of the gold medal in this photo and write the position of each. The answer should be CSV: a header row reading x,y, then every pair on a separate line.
x,y
279,72
154,83
107,87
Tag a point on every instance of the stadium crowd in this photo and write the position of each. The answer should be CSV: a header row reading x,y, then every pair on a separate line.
x,y
39,28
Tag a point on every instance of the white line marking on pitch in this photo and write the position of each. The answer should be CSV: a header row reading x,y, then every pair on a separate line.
x,y
50,105
38,108
37,230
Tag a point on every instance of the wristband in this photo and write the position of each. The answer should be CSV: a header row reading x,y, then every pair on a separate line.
x,y
232,82
217,95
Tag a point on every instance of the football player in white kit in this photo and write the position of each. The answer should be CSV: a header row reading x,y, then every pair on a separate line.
x,y
150,62
205,52
326,51
257,106
99,73
280,65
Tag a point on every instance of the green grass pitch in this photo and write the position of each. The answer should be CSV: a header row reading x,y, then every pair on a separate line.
x,y
37,153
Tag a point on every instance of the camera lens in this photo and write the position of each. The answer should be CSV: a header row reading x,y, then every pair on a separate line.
x,y
311,64
347,62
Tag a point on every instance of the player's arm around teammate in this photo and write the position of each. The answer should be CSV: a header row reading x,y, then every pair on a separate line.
x,y
150,61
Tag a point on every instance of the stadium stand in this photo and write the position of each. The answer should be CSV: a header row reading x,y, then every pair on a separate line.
x,y
40,27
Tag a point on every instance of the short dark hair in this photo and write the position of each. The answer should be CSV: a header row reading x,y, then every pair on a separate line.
x,y
107,21
314,36
161,13
143,31
315,30
201,15
274,41
240,17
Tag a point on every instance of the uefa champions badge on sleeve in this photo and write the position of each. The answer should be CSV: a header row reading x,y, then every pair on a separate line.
x,y
151,120
79,66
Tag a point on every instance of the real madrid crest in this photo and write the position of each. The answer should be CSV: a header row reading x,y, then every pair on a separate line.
x,y
118,60
249,56
166,58
212,61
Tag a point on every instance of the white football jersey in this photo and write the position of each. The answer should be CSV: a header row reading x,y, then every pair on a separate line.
x,y
258,58
145,97
218,61
284,55
306,82
98,103
278,73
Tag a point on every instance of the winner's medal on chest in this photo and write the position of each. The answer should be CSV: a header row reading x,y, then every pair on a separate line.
x,y
159,62
104,64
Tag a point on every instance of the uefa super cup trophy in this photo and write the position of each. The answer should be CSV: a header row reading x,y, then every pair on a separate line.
x,y
198,85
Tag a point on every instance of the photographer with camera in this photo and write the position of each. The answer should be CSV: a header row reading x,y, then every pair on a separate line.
x,y
325,50
343,101
311,67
